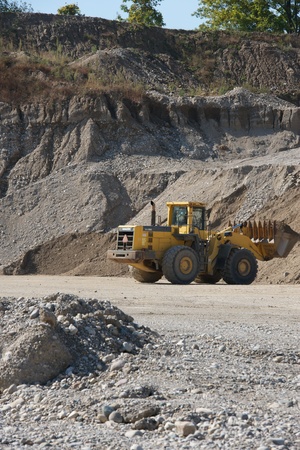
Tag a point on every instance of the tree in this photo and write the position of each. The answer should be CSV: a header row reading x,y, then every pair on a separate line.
x,y
15,6
250,15
69,10
143,12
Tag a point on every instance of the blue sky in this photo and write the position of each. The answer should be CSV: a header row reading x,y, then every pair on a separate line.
x,y
176,13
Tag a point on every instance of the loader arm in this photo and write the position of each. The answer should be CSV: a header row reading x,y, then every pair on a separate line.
x,y
228,237
265,240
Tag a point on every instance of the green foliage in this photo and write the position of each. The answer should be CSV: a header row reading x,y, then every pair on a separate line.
x,y
250,15
15,6
143,12
69,10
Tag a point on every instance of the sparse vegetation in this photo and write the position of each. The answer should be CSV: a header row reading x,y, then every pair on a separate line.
x,y
108,82
195,63
50,75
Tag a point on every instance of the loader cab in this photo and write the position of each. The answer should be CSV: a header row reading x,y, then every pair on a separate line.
x,y
190,215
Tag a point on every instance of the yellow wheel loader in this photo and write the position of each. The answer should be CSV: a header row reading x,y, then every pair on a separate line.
x,y
185,250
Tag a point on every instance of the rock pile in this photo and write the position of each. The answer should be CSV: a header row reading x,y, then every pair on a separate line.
x,y
43,337
90,377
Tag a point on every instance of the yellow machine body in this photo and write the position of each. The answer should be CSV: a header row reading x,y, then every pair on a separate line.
x,y
173,249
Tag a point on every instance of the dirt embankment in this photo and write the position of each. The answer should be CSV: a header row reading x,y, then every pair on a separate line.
x,y
73,170
73,254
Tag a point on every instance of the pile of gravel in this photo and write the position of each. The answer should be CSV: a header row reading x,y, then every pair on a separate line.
x,y
43,337
121,385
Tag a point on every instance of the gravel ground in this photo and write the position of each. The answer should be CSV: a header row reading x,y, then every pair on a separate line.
x,y
210,367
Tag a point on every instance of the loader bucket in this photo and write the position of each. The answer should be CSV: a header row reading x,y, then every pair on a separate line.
x,y
273,239
285,239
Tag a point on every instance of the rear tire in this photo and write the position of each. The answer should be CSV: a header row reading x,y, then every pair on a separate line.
x,y
240,267
180,265
145,277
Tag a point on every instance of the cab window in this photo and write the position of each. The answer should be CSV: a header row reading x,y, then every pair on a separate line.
x,y
198,218
179,215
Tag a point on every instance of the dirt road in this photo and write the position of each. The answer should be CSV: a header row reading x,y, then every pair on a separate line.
x,y
170,306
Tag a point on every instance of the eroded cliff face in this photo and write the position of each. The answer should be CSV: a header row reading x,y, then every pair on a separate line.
x,y
93,163
37,140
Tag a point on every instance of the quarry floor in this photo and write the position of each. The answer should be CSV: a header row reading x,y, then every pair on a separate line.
x,y
167,306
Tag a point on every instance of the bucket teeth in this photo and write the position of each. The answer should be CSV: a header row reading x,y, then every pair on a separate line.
x,y
258,231
271,230
255,231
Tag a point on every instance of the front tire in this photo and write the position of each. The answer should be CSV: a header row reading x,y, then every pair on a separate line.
x,y
240,267
145,277
180,265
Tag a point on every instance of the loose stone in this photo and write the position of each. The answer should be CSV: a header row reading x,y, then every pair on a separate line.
x,y
117,365
115,416
185,428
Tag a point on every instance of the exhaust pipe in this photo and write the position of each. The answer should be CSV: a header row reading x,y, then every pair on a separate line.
x,y
153,214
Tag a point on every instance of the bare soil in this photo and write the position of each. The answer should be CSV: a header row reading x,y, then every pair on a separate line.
x,y
167,305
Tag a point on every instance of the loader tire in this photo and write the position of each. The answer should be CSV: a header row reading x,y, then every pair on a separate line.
x,y
180,265
208,279
240,267
145,277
